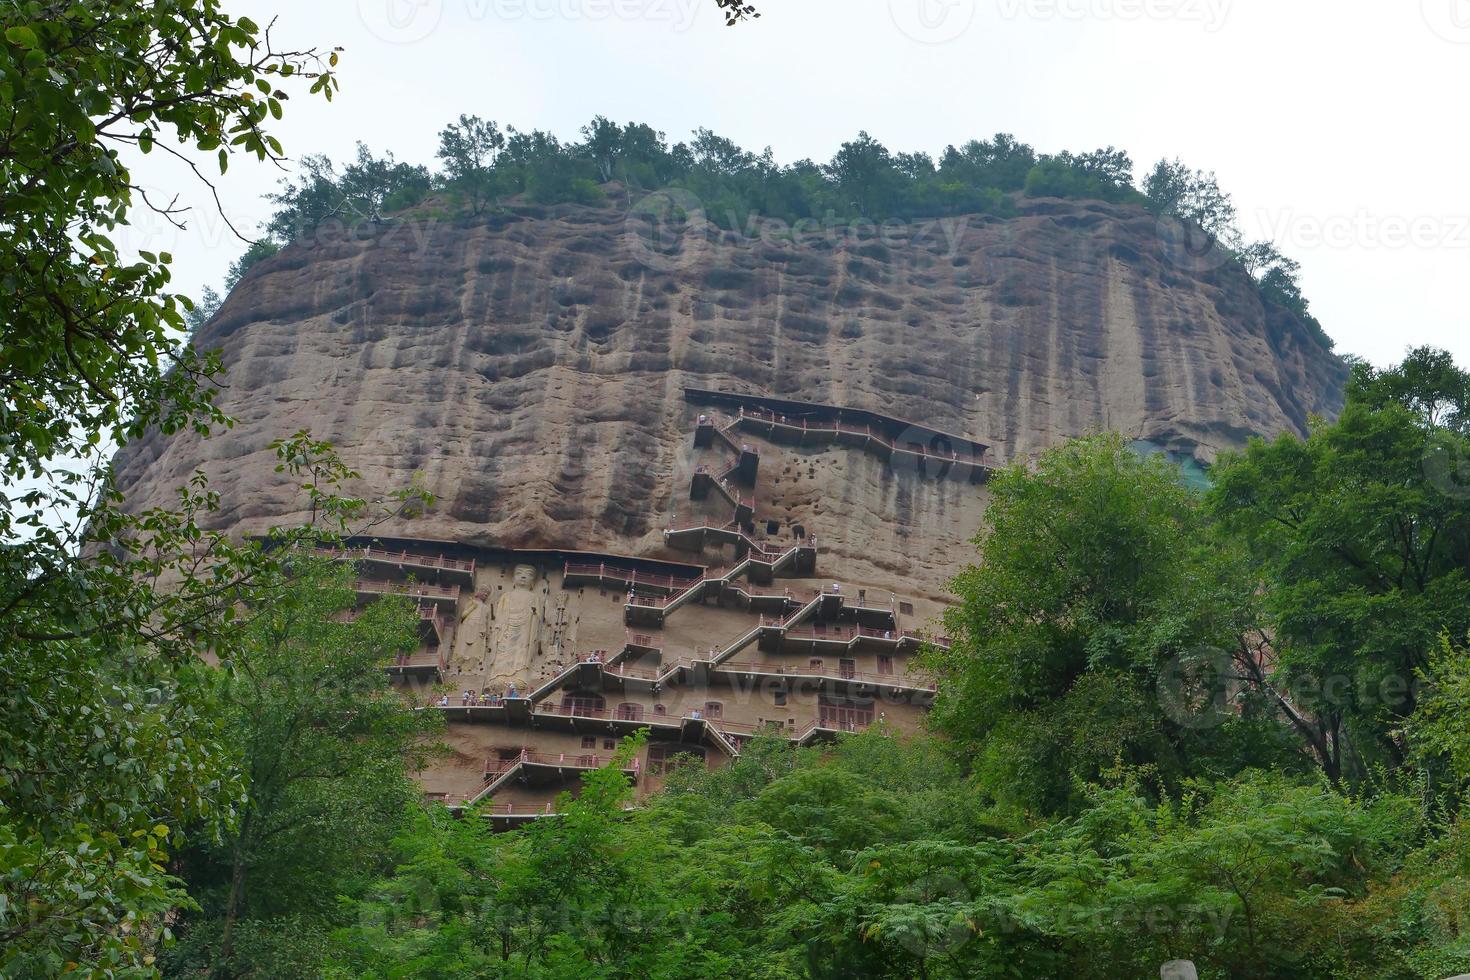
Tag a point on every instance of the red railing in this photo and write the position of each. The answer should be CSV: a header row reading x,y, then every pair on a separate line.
x,y
808,425
786,594
779,728
755,549
576,710
939,641
519,809
830,670
730,530
424,657
440,621
422,590
679,663
637,673
397,557
570,710
722,484
629,576
841,633
833,725
738,727
569,760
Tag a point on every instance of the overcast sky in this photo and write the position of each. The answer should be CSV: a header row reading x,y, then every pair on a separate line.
x,y
1327,120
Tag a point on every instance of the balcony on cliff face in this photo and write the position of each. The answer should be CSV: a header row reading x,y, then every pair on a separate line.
x,y
378,562
445,597
427,663
920,448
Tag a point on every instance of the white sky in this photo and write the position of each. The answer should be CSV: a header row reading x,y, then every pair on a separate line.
x,y
1326,119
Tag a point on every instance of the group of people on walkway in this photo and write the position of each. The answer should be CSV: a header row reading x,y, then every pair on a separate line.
x,y
482,699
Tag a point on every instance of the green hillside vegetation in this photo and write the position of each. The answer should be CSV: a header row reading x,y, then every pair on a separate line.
x,y
482,167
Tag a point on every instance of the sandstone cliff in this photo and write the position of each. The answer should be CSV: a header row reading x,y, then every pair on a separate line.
x,y
531,367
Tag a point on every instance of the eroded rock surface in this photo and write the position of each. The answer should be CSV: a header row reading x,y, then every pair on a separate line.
x,y
531,368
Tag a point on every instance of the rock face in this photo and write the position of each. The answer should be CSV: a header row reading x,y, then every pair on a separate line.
x,y
531,368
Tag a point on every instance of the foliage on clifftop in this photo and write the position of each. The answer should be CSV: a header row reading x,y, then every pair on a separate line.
x,y
483,166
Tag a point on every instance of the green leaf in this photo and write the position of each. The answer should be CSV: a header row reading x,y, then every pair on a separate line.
x,y
22,36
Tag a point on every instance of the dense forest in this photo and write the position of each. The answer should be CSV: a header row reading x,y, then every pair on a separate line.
x,y
1228,724
483,167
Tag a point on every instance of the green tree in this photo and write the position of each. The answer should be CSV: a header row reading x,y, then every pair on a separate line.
x,y
468,149
1097,595
1195,196
108,744
204,310
366,190
323,745
586,891
112,734
546,170
1245,876
1360,535
864,173
1001,163
1104,175
1427,382
602,139
303,202
1441,725
92,339
262,248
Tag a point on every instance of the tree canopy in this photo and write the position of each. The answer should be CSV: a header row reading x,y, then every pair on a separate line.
x,y
112,741
483,166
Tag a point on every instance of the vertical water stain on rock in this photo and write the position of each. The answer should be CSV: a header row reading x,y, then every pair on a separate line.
x,y
531,368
